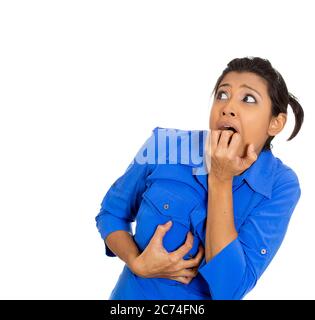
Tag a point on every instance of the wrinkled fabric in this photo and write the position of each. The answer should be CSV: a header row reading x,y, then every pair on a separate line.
x,y
174,187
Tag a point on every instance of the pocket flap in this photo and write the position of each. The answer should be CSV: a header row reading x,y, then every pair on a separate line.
x,y
171,200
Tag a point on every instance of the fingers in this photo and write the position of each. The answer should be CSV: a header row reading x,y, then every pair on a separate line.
x,y
161,231
251,154
225,139
234,144
249,159
189,268
182,250
184,280
208,140
194,262
186,273
215,136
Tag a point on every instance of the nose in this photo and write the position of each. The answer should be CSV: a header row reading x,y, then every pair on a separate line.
x,y
231,113
228,110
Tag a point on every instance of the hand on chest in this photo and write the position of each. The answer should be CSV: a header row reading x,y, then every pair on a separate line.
x,y
172,195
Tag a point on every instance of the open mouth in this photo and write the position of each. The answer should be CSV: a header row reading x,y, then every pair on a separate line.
x,y
228,128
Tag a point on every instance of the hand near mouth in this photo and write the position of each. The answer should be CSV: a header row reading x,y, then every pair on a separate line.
x,y
223,154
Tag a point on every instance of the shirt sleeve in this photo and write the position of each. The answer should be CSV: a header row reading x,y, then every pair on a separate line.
x,y
121,202
234,271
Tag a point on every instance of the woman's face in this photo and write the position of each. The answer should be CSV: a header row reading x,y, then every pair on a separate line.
x,y
242,101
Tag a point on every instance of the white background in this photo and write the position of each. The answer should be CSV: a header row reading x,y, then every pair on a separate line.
x,y
83,83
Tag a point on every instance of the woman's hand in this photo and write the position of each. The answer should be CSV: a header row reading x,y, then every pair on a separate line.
x,y
223,157
156,262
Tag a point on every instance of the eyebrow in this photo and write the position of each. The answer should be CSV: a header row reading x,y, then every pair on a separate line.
x,y
241,86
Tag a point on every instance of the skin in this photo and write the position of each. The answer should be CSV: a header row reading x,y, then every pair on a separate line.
x,y
249,109
155,261
227,154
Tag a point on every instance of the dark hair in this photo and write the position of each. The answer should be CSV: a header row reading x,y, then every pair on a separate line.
x,y
277,89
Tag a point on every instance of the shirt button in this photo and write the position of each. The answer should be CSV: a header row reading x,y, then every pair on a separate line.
x,y
166,206
263,251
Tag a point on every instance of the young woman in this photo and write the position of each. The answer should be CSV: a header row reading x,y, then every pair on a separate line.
x,y
206,229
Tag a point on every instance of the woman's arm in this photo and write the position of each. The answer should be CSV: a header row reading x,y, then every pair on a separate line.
x,y
232,270
223,161
220,218
119,209
235,270
122,244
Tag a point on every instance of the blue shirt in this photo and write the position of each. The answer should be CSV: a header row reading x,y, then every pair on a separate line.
x,y
174,187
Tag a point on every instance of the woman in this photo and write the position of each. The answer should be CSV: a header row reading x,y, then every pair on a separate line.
x,y
206,229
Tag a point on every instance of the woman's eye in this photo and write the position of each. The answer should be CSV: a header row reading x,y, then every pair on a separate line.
x,y
251,100
219,95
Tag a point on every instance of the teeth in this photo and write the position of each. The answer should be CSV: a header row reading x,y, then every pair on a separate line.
x,y
229,128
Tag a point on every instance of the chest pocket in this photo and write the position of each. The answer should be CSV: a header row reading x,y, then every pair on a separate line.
x,y
171,201
166,200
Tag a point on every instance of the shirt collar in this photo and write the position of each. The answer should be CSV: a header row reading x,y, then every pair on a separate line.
x,y
259,176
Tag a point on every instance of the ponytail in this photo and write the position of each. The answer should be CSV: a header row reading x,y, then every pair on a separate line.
x,y
298,114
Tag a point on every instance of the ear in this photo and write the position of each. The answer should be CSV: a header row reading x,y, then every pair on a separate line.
x,y
277,124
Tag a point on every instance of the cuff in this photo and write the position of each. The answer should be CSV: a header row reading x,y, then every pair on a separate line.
x,y
224,272
107,223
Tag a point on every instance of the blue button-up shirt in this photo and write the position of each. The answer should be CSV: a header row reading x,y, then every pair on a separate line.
x,y
162,183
